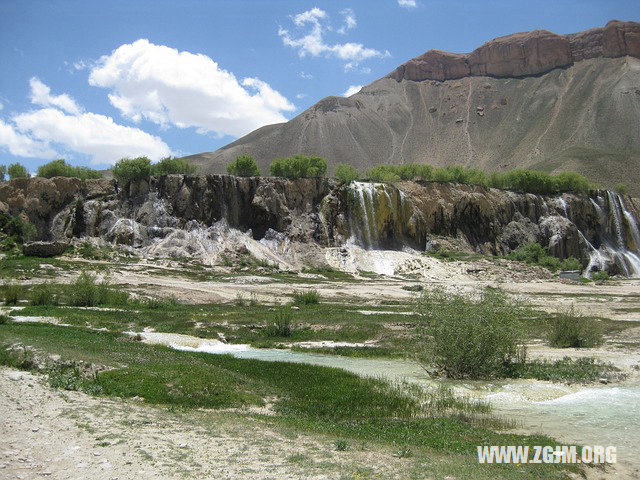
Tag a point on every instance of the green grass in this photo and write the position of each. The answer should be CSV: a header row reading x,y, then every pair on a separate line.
x,y
308,398
308,297
581,370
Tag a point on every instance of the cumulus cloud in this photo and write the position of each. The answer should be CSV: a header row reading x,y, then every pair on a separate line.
x,y
314,44
353,89
62,122
169,87
407,3
300,96
41,95
22,145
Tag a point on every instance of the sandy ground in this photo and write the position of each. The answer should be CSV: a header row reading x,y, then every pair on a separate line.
x,y
46,433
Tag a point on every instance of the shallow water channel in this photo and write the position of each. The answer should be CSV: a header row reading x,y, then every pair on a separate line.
x,y
573,414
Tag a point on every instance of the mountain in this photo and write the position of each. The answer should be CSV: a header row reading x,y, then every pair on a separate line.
x,y
528,100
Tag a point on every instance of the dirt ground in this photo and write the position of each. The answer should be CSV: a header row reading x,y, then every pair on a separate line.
x,y
46,433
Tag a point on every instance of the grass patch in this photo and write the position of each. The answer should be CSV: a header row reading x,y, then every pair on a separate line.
x,y
280,325
308,297
570,330
535,254
42,294
581,370
12,294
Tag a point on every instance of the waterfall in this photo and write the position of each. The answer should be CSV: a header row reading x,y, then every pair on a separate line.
x,y
378,215
615,252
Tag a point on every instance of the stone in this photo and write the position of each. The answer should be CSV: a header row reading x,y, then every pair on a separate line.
x,y
44,249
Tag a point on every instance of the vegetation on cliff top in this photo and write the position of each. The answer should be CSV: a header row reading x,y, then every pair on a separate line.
x,y
299,166
141,168
243,166
60,168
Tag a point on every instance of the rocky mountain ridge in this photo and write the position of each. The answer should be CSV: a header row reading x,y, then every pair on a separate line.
x,y
525,54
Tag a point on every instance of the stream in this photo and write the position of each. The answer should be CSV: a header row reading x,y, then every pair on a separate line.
x,y
573,414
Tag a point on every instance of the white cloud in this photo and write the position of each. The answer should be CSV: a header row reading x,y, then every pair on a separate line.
x,y
352,90
305,76
349,21
92,134
41,95
1,106
22,145
300,96
183,89
63,123
314,44
407,3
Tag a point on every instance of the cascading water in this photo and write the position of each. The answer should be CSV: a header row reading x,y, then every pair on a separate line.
x,y
378,215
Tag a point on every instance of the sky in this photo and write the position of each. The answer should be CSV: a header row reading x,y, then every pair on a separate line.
x,y
95,81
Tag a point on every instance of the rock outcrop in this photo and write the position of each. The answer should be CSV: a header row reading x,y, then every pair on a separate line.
x,y
221,216
525,54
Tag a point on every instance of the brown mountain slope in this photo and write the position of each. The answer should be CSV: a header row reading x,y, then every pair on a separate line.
x,y
552,102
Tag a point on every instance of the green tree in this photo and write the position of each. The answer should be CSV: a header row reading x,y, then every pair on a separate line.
x,y
384,173
60,168
170,165
132,169
243,166
298,166
3,172
345,173
17,170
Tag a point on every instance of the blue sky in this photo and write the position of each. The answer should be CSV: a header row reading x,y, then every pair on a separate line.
x,y
93,81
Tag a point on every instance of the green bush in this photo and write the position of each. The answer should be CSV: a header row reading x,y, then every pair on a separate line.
x,y
4,319
87,292
243,166
298,166
601,276
280,325
16,170
383,173
12,294
528,181
128,169
472,338
345,173
60,168
17,228
571,182
173,165
535,254
458,174
310,297
42,295
620,189
570,330
586,369
3,172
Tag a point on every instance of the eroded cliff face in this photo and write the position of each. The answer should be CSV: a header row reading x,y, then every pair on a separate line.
x,y
524,54
219,216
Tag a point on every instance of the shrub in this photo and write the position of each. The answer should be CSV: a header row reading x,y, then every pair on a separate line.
x,y
87,292
243,166
12,294
3,172
280,325
4,319
345,173
458,174
601,276
42,295
298,166
17,228
586,369
310,297
383,173
172,165
60,168
571,182
157,303
17,170
128,169
529,181
535,254
570,330
620,189
472,338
